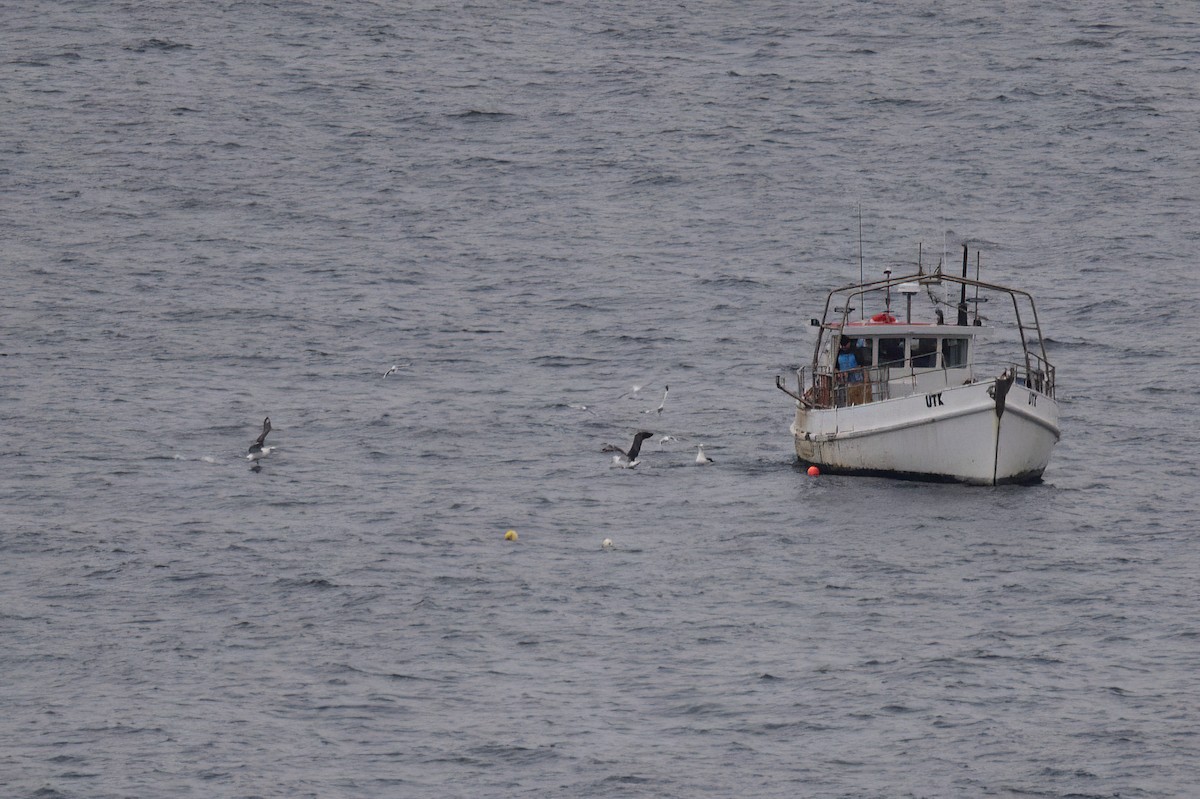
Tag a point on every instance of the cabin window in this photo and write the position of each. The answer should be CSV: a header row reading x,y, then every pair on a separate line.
x,y
954,353
862,351
923,352
891,352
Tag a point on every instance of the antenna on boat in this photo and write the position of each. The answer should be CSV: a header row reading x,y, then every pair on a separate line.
x,y
977,287
962,302
933,279
944,264
908,290
863,311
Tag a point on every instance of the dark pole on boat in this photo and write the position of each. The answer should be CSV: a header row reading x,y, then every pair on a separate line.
x,y
962,302
862,312
977,322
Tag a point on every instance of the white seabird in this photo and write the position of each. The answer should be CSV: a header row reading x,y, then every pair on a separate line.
x,y
257,450
700,456
395,368
627,460
662,404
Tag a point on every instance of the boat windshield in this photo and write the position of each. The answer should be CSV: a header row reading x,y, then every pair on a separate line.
x,y
918,352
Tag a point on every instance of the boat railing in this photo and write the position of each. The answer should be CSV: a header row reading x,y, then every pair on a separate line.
x,y
829,389
824,388
1037,374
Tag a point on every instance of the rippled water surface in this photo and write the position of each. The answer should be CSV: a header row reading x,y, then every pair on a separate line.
x,y
218,212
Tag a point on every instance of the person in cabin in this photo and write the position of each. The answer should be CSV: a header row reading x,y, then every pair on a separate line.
x,y
850,374
847,360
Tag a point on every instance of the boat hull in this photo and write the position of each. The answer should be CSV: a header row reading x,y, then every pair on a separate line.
x,y
952,435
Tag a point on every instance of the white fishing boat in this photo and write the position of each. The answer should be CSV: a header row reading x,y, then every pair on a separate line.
x,y
970,400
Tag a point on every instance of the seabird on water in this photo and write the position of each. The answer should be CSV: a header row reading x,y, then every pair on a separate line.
x,y
700,456
627,460
257,450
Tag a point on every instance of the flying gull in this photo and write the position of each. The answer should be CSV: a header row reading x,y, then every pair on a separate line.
x,y
627,460
662,404
395,368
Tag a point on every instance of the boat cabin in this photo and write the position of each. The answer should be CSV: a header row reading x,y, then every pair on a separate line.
x,y
859,361
908,349
889,359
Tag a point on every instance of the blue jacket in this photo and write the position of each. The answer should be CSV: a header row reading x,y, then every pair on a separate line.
x,y
846,361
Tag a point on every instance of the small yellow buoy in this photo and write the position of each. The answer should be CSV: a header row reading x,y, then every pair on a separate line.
x,y
813,471
511,535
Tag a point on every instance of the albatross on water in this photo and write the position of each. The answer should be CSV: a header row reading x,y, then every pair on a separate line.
x,y
627,460
257,450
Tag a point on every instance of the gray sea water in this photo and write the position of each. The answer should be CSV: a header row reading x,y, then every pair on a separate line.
x,y
215,212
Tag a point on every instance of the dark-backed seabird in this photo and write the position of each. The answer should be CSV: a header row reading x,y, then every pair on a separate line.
x,y
627,460
999,390
700,456
257,450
